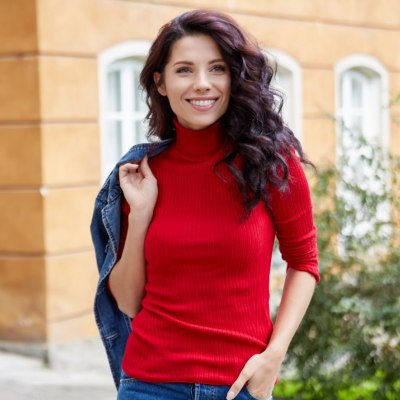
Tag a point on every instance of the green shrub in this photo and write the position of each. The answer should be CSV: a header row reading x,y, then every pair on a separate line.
x,y
348,346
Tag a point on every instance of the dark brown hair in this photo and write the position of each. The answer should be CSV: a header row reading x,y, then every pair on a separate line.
x,y
253,119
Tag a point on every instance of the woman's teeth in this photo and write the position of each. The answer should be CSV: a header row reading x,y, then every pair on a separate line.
x,y
202,103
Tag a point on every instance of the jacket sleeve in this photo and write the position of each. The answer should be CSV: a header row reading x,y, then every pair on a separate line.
x,y
105,224
99,233
294,223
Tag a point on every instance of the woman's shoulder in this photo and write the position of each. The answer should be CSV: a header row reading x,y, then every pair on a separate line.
x,y
136,153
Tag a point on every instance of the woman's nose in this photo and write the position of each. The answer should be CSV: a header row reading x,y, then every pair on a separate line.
x,y
201,82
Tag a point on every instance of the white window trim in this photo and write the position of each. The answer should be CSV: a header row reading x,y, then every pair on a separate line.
x,y
371,63
366,61
132,48
288,62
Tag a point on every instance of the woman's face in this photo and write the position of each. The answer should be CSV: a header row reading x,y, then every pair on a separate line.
x,y
196,81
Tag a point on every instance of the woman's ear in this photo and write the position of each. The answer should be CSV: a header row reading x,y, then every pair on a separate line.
x,y
159,83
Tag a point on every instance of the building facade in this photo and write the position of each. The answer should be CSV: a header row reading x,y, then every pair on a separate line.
x,y
69,105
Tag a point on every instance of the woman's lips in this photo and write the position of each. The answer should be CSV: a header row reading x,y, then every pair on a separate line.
x,y
203,104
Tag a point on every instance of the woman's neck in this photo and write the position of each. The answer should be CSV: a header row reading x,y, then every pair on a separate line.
x,y
201,142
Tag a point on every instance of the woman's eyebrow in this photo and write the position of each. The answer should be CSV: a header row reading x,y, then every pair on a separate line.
x,y
192,63
183,62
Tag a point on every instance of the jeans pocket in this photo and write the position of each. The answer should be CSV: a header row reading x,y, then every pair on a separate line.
x,y
252,397
126,379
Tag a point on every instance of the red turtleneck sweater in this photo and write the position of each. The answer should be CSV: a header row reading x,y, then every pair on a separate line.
x,y
206,307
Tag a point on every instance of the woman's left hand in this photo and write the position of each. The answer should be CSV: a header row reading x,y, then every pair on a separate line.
x,y
260,373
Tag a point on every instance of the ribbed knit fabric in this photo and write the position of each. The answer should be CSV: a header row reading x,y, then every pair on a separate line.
x,y
206,307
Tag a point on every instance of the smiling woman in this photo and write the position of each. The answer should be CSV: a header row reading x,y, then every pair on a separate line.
x,y
184,227
196,81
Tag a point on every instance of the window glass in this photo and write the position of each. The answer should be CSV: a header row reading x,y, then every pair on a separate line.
x,y
139,103
356,90
288,81
284,83
124,115
114,91
114,141
140,131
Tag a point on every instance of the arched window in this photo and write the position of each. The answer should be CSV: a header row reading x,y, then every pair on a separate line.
x,y
362,125
122,105
361,104
288,80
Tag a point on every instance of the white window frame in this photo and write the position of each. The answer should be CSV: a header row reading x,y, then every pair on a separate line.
x,y
288,63
115,54
363,65
363,61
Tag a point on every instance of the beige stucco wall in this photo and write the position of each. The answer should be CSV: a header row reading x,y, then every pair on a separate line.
x,y
49,133
49,174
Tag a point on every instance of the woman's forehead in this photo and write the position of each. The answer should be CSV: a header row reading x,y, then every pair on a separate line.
x,y
195,48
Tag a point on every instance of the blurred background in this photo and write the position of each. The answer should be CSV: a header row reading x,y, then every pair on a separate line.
x,y
70,106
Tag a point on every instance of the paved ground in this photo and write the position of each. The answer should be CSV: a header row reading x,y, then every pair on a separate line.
x,y
77,371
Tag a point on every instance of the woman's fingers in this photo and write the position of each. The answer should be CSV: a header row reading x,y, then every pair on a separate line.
x,y
237,386
257,374
128,168
145,168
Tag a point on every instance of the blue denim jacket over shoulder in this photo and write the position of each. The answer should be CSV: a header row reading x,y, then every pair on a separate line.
x,y
114,326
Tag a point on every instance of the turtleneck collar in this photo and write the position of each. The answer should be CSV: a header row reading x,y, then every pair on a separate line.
x,y
197,143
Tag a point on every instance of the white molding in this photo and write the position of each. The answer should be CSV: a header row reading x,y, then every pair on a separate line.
x,y
359,60
291,64
131,48
367,63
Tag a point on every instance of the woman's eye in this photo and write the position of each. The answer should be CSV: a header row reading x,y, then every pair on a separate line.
x,y
183,70
219,68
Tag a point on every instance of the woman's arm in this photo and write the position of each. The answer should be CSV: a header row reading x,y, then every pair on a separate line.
x,y
127,278
261,370
292,213
297,293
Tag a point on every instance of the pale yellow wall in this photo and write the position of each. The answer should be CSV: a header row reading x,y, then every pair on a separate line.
x,y
18,29
63,161
20,155
68,88
22,295
70,288
21,222
23,301
355,12
19,89
49,174
49,133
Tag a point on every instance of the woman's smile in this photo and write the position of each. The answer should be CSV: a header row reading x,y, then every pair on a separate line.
x,y
203,104
196,81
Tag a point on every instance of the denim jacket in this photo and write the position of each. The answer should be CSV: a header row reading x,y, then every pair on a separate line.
x,y
114,326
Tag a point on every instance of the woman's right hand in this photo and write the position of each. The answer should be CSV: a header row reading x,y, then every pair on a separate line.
x,y
140,189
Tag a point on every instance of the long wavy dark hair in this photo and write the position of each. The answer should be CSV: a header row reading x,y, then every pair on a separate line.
x,y
253,119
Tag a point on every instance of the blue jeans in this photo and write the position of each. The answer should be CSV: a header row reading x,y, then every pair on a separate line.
x,y
134,389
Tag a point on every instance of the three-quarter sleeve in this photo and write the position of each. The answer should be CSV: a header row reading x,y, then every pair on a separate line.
x,y
294,223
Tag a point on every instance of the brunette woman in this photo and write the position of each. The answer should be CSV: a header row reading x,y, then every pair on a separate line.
x,y
184,227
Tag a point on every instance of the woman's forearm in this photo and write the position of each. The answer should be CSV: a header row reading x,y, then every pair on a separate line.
x,y
297,293
261,370
127,278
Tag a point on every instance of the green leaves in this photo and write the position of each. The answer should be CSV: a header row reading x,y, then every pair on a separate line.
x,y
348,345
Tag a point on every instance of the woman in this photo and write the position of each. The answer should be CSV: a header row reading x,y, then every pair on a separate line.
x,y
186,251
